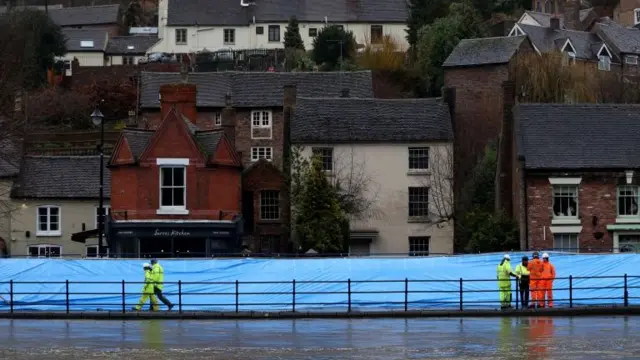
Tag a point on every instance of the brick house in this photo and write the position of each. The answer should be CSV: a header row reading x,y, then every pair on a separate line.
x,y
574,175
256,117
476,69
176,190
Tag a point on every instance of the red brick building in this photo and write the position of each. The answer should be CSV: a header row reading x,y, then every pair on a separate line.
x,y
575,175
175,190
251,108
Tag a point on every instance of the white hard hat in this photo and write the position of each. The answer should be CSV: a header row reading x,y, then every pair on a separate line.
x,y
506,256
545,256
146,265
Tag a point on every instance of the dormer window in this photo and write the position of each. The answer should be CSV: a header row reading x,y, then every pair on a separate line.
x,y
86,43
631,59
516,32
604,63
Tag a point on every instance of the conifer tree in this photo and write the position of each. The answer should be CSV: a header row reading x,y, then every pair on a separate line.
x,y
292,38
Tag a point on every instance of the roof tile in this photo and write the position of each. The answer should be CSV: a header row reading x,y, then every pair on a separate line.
x,y
484,51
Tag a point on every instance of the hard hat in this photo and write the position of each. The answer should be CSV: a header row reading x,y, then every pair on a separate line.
x,y
545,256
506,256
145,265
535,254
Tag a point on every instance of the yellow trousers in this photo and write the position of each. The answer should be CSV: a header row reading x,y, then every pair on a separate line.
x,y
143,300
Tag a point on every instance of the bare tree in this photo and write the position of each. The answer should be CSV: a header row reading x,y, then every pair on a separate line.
x,y
440,183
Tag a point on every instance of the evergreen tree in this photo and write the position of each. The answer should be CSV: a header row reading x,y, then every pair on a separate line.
x,y
333,46
318,220
292,38
421,13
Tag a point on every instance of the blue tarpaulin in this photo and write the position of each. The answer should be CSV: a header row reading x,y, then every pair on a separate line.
x,y
210,284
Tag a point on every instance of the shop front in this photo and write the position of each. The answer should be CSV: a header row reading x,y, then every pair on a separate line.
x,y
174,239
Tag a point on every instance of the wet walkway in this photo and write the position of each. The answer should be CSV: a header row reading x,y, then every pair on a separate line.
x,y
372,339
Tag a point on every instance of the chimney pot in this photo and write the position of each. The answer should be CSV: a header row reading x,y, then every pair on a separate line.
x,y
344,93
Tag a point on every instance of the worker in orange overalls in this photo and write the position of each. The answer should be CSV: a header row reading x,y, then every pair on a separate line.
x,y
548,275
535,268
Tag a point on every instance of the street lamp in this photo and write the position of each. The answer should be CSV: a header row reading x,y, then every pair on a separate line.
x,y
98,119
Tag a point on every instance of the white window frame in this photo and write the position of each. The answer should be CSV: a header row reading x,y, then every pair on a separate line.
x,y
48,232
634,188
172,163
631,59
261,152
258,121
40,246
182,31
571,234
278,204
568,219
232,36
604,63
418,149
217,119
636,16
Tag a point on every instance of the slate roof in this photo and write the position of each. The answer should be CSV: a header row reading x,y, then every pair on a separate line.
x,y
544,39
85,15
624,40
138,140
583,136
76,36
130,45
61,177
257,89
370,120
230,12
484,51
544,19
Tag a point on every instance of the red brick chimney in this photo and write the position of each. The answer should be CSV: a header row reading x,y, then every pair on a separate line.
x,y
182,97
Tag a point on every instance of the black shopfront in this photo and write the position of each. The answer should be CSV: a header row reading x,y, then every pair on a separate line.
x,y
174,239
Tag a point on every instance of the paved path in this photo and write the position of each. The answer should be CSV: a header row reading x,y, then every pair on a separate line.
x,y
594,338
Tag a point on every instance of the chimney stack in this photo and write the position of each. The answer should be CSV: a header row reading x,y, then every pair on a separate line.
x,y
289,102
182,97
229,120
344,93
555,23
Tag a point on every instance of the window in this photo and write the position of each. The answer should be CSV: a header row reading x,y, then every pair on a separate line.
x,y
604,63
631,59
629,243
181,36
565,201
45,251
217,118
48,221
313,32
419,245
259,30
565,242
636,16
229,36
628,200
418,202
128,60
376,34
86,44
172,187
261,124
269,205
274,33
91,251
107,213
419,158
258,153
326,155
569,57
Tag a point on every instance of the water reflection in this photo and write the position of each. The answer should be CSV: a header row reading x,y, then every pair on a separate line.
x,y
372,339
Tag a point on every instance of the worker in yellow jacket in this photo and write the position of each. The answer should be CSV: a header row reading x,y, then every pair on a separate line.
x,y
147,290
524,275
504,281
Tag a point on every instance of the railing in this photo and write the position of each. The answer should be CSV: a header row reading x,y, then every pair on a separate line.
x,y
341,295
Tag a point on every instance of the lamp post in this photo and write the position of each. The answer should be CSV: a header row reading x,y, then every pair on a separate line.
x,y
98,119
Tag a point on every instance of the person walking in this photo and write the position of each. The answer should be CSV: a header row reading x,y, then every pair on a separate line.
x,y
147,290
158,278
548,275
535,270
522,271
504,281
